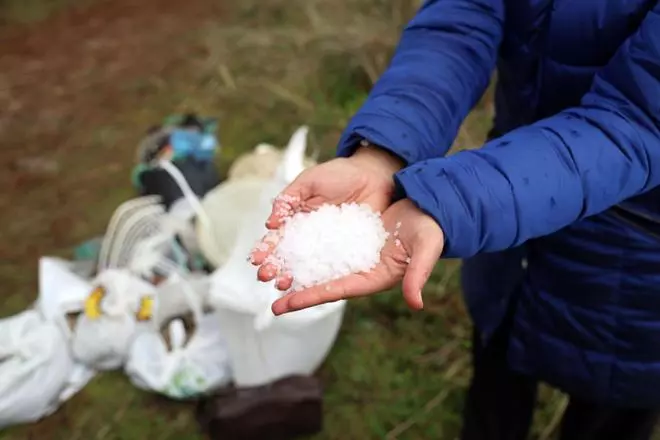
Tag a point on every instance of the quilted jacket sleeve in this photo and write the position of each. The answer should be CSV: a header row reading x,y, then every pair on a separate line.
x,y
440,69
543,177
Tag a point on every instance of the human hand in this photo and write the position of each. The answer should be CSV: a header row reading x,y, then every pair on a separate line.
x,y
365,178
409,255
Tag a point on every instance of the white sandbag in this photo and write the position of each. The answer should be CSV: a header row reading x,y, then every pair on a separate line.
x,y
79,376
61,290
35,367
259,357
227,205
264,348
61,296
178,360
261,162
116,309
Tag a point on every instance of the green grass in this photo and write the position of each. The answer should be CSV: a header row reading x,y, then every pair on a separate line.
x,y
31,11
271,67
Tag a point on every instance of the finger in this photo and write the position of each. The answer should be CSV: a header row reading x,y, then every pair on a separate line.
x,y
290,200
264,248
284,282
267,272
304,299
313,296
424,257
284,206
348,287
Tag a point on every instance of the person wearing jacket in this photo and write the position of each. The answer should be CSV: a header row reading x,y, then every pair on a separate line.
x,y
557,216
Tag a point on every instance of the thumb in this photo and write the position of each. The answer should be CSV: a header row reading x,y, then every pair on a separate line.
x,y
287,203
423,258
284,205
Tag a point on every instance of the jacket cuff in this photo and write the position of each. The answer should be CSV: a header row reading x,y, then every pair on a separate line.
x,y
412,185
393,135
472,216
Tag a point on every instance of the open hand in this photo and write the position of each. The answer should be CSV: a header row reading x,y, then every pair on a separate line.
x,y
365,178
409,255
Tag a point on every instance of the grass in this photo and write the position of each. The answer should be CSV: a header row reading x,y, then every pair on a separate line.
x,y
31,11
268,68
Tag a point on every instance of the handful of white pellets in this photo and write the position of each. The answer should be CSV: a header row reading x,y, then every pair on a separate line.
x,y
329,243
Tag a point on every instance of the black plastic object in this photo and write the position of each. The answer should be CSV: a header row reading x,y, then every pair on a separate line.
x,y
202,176
287,409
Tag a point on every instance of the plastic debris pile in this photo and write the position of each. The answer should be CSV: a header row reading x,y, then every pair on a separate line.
x,y
166,293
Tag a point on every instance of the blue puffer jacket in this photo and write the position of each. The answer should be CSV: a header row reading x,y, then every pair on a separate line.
x,y
578,99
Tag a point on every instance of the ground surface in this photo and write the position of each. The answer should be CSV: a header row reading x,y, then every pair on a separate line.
x,y
80,81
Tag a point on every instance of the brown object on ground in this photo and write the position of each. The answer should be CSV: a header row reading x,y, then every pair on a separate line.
x,y
286,409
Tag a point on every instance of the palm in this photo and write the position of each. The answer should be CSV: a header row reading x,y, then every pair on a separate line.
x,y
340,181
387,274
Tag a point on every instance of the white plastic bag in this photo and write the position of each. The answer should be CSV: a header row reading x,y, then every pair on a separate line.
x,y
35,367
61,290
61,296
178,360
111,318
264,348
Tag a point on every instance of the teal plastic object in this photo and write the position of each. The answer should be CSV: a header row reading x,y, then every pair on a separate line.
x,y
88,250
